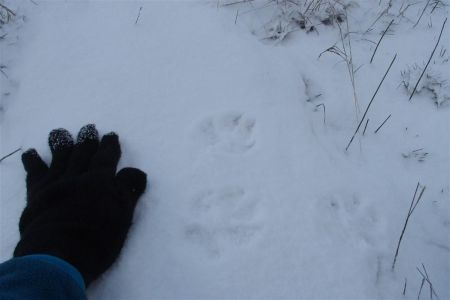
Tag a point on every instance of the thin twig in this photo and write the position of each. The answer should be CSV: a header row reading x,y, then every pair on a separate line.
x,y
6,156
370,103
382,36
412,207
432,53
237,14
382,124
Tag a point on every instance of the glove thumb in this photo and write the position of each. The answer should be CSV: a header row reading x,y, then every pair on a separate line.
x,y
132,183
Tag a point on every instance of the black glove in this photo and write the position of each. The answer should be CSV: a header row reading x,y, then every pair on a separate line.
x,y
79,209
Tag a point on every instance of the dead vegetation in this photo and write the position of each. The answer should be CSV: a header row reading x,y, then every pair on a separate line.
x,y
6,14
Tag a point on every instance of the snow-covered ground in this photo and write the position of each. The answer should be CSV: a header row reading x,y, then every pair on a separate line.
x,y
251,191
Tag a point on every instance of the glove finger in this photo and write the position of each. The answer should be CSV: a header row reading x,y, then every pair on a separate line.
x,y
131,183
108,154
61,145
35,167
84,150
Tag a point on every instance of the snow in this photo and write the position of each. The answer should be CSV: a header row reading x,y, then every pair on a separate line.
x,y
251,193
87,132
59,139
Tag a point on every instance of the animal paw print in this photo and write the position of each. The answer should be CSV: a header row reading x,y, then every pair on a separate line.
x,y
348,216
223,219
231,133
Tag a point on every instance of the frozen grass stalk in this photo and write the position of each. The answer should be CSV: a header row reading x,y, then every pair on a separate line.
x,y
365,127
382,36
412,207
404,286
376,131
345,52
370,103
421,287
432,53
425,8
426,278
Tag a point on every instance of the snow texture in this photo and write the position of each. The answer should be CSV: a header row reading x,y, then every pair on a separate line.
x,y
242,128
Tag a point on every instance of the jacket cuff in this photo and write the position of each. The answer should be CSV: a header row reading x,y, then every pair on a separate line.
x,y
62,265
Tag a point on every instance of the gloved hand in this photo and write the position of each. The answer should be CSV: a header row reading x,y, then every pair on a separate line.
x,y
79,209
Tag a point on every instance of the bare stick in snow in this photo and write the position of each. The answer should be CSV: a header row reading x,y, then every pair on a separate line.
x,y
382,124
8,155
382,36
412,207
426,66
237,14
370,103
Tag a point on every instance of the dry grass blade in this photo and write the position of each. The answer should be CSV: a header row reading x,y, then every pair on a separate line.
x,y
365,127
424,9
376,131
404,287
237,2
426,66
370,103
426,278
138,16
412,207
382,36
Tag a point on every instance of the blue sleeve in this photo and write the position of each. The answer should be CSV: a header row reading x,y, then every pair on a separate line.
x,y
36,277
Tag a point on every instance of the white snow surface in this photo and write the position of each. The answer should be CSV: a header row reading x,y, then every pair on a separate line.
x,y
251,194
